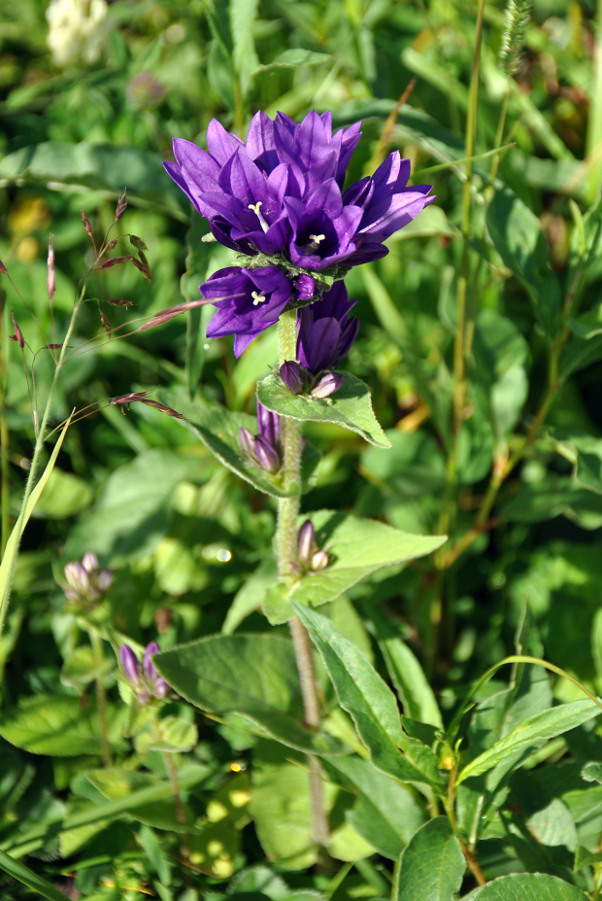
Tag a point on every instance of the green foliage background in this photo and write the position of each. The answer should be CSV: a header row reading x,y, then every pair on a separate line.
x,y
510,468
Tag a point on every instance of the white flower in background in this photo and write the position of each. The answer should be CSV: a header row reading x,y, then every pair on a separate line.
x,y
76,30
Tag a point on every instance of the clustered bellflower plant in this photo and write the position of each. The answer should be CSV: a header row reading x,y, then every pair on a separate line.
x,y
279,201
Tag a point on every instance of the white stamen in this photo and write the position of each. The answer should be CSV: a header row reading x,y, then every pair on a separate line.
x,y
258,298
315,240
256,209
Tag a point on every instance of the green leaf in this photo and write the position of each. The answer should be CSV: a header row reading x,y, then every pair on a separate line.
x,y
432,866
65,495
243,14
254,675
407,675
251,596
56,725
387,814
170,735
116,784
532,731
350,407
369,701
356,548
500,386
80,667
27,877
97,167
130,518
518,238
527,887
218,429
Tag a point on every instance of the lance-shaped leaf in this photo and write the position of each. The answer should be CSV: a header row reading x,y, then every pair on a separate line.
x,y
218,429
356,548
532,731
432,865
253,675
350,406
370,703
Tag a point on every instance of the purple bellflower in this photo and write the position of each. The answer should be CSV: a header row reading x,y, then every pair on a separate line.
x,y
280,194
263,448
145,681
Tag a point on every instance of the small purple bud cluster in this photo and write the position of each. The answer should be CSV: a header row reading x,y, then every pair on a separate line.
x,y
263,448
85,583
145,681
325,335
310,557
279,198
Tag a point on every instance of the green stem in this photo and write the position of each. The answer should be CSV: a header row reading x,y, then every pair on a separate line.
x,y
101,696
286,539
40,434
4,434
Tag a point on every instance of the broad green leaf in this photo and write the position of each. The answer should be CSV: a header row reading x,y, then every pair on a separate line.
x,y
131,516
350,407
527,887
97,167
357,548
518,238
432,866
115,784
369,701
387,814
532,731
218,429
64,495
254,675
56,725
81,668
407,675
243,14
251,596
281,809
170,735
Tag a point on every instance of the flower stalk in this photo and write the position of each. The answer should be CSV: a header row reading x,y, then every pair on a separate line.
x,y
287,544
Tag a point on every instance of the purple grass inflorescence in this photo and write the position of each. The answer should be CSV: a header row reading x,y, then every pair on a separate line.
x,y
279,198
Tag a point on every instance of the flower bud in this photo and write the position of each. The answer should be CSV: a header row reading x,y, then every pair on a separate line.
x,y
129,662
327,385
150,670
104,580
78,581
319,561
90,562
268,424
292,376
266,455
245,436
306,542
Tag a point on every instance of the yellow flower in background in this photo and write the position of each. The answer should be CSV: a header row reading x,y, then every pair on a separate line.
x,y
77,30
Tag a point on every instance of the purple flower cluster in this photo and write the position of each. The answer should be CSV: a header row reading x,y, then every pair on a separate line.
x,y
279,197
144,679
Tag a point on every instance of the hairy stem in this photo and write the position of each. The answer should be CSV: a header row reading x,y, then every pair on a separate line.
x,y
288,513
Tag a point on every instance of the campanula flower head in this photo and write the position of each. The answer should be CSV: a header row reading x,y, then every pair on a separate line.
x,y
280,192
263,448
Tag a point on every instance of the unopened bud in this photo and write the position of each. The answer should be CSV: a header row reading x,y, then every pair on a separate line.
x,y
327,385
77,579
306,542
268,424
150,670
266,455
18,332
292,376
90,562
305,286
121,207
129,662
246,438
105,580
319,561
